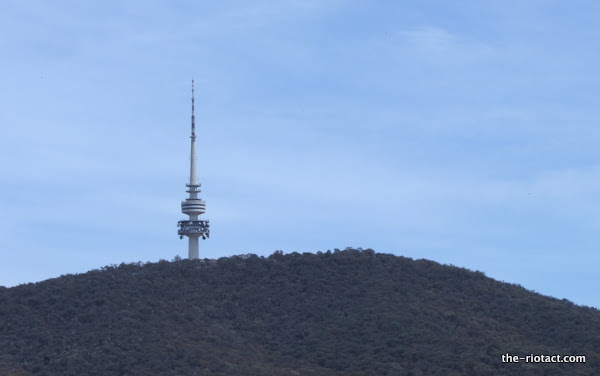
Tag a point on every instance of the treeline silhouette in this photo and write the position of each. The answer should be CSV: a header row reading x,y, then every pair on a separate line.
x,y
352,312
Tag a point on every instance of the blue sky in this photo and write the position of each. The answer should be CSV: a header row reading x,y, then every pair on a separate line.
x,y
463,132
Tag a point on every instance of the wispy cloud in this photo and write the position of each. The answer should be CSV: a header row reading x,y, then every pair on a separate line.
x,y
437,43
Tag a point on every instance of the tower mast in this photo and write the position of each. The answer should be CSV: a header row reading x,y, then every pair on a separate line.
x,y
193,206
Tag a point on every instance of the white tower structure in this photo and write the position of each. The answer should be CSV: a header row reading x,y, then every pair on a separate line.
x,y
193,206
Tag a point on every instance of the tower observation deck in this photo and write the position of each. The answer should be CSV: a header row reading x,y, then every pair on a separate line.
x,y
193,206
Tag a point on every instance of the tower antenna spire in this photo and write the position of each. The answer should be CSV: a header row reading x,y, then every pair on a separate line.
x,y
193,206
193,117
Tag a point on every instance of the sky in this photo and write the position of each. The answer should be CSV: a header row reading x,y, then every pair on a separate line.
x,y
463,132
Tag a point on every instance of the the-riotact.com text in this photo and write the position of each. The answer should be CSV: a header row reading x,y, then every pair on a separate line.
x,y
532,358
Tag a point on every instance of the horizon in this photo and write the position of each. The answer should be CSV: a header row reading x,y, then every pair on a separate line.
x,y
178,258
463,134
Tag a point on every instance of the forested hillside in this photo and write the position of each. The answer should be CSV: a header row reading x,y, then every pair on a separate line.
x,y
354,312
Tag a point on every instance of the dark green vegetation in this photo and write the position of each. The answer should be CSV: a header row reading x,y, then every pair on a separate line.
x,y
343,313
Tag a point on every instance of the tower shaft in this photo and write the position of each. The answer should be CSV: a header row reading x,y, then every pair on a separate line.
x,y
193,178
193,249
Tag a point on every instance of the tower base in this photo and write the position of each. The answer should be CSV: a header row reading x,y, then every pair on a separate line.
x,y
193,248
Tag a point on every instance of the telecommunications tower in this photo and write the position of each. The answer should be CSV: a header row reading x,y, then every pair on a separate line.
x,y
193,206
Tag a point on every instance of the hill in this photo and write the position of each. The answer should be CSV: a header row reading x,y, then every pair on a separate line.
x,y
352,312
